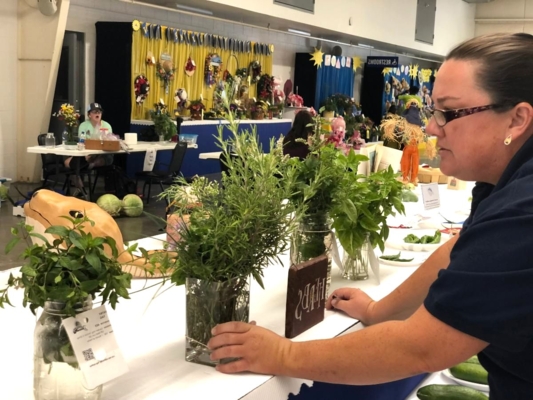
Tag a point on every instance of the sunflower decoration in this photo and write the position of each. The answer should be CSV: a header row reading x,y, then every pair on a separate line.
x,y
165,71
141,86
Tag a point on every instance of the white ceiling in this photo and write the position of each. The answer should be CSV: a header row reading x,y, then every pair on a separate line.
x,y
265,21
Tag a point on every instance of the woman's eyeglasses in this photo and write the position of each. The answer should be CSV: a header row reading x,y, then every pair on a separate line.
x,y
442,117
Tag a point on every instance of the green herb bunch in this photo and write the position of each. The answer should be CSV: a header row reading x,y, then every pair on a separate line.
x,y
362,204
69,269
235,228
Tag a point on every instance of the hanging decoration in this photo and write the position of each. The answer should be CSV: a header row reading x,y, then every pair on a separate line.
x,y
254,72
317,57
165,70
181,97
150,59
386,71
213,66
141,87
190,67
413,71
136,25
426,74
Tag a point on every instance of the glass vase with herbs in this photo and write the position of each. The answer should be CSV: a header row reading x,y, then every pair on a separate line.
x,y
234,230
63,276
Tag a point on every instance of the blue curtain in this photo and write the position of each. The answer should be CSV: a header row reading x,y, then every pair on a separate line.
x,y
332,80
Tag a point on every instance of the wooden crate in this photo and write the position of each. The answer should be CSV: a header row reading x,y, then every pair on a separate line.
x,y
106,145
431,175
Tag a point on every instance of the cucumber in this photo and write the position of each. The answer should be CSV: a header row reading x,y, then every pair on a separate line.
x,y
473,360
449,392
470,372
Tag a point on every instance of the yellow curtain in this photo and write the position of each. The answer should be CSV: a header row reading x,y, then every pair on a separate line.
x,y
195,85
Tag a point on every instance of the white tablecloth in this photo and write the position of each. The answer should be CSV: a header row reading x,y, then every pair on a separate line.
x,y
150,329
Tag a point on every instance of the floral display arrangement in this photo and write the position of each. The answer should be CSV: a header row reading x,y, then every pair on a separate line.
x,y
70,116
196,107
165,72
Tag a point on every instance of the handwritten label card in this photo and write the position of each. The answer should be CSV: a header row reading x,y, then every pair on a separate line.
x,y
430,195
306,295
95,346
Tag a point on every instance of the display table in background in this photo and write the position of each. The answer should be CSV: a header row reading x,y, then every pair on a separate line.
x,y
206,131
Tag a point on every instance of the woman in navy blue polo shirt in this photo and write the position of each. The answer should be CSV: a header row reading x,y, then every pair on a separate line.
x,y
474,295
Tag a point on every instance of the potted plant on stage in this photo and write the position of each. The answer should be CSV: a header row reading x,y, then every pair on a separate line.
x,y
196,108
258,110
329,107
63,276
70,116
232,231
164,126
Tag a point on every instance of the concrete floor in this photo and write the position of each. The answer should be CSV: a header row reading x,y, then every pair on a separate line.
x,y
131,228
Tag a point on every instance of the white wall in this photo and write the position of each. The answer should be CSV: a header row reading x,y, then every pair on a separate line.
x,y
383,20
84,14
8,88
504,9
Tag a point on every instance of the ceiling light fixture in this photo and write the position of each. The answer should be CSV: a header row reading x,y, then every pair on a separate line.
x,y
299,32
194,10
366,46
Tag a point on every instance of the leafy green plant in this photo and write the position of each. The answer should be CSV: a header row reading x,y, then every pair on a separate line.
x,y
163,125
236,228
68,270
362,206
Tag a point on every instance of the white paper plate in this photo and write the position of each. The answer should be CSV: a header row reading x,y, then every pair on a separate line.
x,y
415,263
478,386
396,241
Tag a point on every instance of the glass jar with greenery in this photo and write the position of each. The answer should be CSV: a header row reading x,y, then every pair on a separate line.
x,y
164,126
234,230
62,277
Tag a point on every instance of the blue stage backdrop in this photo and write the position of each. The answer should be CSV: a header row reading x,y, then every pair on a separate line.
x,y
336,75
397,80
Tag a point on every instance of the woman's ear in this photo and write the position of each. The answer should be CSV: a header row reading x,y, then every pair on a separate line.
x,y
521,120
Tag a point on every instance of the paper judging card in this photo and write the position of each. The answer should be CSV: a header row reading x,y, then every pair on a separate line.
x,y
430,195
95,346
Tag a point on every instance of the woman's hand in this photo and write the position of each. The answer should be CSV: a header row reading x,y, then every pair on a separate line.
x,y
354,302
257,349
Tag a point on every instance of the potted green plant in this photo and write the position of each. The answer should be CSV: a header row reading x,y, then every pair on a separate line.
x,y
196,107
232,231
63,277
328,108
164,126
258,110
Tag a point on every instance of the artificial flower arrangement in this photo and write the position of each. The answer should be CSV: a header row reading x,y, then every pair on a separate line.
x,y
70,116
165,71
295,100
265,87
196,106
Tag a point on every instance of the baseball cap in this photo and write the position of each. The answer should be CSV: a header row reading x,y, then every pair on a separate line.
x,y
95,106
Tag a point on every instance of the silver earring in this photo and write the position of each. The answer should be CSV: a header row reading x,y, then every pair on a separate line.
x,y
508,140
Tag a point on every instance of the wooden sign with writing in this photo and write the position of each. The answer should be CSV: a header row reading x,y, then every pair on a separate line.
x,y
306,295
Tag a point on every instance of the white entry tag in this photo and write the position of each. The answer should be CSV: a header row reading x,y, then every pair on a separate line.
x,y
374,263
95,346
430,195
149,160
